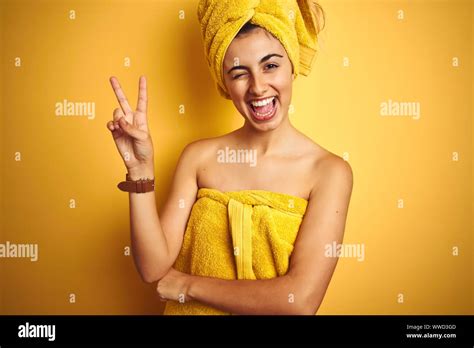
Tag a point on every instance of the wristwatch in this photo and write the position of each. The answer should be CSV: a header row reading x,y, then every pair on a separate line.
x,y
139,186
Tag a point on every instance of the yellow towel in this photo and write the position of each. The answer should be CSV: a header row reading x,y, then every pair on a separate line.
x,y
290,21
245,234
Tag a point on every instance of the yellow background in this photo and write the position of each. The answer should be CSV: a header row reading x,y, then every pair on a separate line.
x,y
81,250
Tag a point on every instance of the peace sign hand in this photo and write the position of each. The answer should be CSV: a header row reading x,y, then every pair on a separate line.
x,y
130,131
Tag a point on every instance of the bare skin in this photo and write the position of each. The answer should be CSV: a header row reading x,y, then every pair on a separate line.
x,y
288,162
271,172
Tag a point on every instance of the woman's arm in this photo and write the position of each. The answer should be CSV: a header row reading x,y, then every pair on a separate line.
x,y
281,295
302,289
157,239
155,242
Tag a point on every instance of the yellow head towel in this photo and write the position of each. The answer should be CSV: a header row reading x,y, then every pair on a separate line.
x,y
245,234
290,21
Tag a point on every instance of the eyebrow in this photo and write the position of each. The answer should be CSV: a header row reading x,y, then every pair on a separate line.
x,y
264,59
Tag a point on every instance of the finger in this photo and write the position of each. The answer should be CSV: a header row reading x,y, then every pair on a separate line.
x,y
130,130
142,95
114,127
110,125
122,99
117,114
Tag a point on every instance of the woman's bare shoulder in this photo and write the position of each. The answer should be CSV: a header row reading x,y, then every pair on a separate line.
x,y
325,163
205,149
208,145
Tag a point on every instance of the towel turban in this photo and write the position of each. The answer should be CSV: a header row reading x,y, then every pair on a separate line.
x,y
290,21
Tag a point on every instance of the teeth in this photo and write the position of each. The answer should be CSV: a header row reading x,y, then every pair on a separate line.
x,y
262,102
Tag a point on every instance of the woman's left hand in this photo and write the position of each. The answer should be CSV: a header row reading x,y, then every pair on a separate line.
x,y
174,286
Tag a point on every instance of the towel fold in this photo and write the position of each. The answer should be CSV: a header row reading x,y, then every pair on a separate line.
x,y
290,21
245,234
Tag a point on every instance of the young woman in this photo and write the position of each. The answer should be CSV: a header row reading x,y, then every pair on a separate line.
x,y
226,241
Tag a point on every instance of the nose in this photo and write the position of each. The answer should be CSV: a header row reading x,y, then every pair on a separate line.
x,y
258,85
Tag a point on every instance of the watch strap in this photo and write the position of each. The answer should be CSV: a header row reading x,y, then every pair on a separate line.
x,y
142,185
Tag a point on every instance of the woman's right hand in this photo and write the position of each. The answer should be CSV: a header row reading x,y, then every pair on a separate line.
x,y
130,132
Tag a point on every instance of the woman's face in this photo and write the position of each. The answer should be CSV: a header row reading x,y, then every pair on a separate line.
x,y
258,76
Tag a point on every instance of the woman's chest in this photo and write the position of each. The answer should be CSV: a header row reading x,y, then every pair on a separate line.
x,y
290,176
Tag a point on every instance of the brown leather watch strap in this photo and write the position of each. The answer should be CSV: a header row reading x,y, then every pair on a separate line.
x,y
139,186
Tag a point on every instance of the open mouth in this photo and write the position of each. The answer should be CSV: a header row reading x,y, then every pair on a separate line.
x,y
263,110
